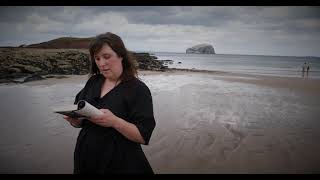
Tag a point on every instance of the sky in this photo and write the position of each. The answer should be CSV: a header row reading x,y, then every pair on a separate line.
x,y
256,30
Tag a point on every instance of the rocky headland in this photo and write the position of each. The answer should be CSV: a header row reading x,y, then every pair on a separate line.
x,y
26,64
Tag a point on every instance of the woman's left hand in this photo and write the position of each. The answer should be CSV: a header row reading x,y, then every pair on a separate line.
x,y
107,119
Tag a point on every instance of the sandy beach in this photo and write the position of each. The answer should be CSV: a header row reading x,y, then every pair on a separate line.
x,y
243,124
308,86
207,122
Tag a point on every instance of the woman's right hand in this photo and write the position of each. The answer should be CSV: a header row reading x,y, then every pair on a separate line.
x,y
74,122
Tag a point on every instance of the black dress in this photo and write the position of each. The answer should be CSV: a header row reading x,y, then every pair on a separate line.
x,y
105,150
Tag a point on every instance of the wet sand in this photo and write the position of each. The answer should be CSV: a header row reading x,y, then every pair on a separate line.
x,y
273,129
305,85
207,122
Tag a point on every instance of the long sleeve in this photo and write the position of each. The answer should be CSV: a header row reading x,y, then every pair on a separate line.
x,y
141,112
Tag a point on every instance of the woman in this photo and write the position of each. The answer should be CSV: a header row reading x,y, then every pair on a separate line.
x,y
111,143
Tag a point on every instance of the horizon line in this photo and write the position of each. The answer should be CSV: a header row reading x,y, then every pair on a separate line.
x,y
181,52
306,56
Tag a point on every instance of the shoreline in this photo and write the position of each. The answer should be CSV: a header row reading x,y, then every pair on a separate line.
x,y
310,86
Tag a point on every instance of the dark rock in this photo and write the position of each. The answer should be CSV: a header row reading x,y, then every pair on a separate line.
x,y
5,81
33,77
147,62
49,76
14,70
31,69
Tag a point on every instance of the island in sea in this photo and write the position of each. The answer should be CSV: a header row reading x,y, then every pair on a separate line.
x,y
201,49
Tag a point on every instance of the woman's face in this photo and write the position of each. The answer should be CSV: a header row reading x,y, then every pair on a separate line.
x,y
109,63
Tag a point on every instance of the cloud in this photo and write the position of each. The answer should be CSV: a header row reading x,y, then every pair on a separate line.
x,y
244,30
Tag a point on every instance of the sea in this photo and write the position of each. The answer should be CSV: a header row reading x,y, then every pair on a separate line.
x,y
283,66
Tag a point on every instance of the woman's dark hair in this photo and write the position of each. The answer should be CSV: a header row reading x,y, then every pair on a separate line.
x,y
129,64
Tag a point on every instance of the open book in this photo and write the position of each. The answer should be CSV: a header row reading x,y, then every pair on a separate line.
x,y
82,110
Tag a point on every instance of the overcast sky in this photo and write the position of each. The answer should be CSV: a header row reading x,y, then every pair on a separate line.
x,y
283,30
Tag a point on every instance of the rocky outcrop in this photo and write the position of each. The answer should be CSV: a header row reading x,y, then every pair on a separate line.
x,y
22,62
201,49
64,55
26,64
148,62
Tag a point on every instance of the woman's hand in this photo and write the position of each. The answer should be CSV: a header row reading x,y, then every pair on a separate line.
x,y
107,119
74,122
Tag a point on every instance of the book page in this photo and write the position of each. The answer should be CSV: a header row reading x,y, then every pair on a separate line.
x,y
87,109
82,109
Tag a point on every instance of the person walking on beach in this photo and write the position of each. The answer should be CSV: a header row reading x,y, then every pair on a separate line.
x,y
308,68
304,68
111,143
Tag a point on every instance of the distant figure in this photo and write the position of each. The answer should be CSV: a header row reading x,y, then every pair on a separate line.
x,y
304,66
308,68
